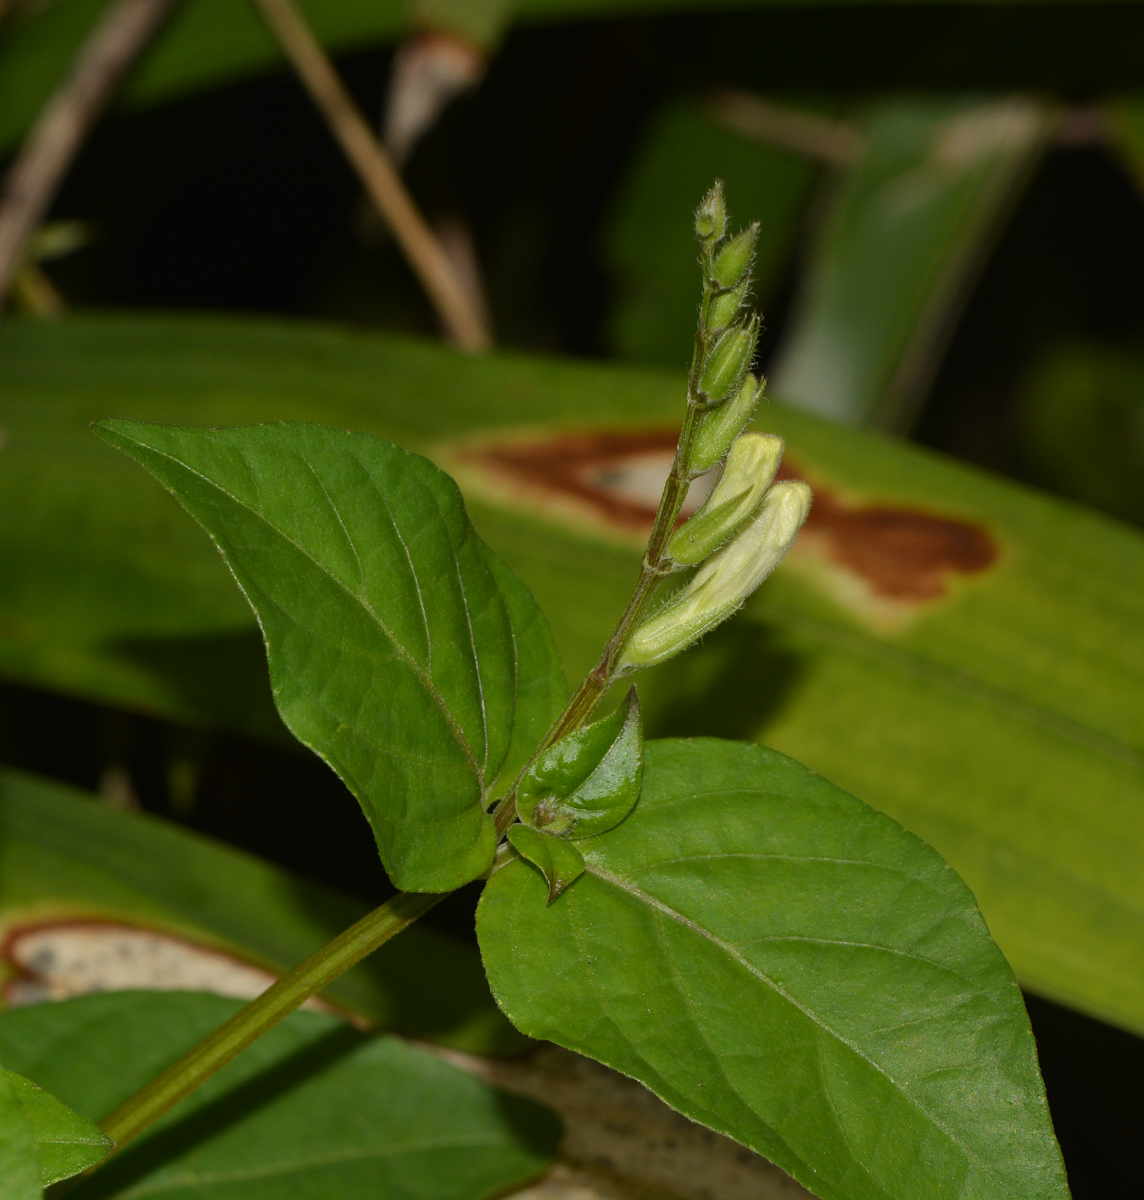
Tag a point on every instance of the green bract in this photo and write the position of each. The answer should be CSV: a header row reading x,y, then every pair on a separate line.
x,y
588,781
401,650
556,858
788,966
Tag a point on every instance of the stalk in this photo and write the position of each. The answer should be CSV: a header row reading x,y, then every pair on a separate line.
x,y
248,1024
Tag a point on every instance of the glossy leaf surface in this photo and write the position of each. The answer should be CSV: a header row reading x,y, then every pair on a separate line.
x,y
66,859
313,1108
401,651
788,966
588,781
555,858
908,226
960,651
66,1143
19,1163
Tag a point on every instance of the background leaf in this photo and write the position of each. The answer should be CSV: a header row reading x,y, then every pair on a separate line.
x,y
19,1164
399,651
66,858
993,704
789,967
907,228
312,1108
66,1143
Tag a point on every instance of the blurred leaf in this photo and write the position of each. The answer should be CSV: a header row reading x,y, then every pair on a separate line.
x,y
908,226
64,857
648,239
792,969
66,1143
313,1108
401,652
1081,423
959,651
19,1163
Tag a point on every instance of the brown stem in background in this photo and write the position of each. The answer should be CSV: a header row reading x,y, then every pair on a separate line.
x,y
57,134
836,143
376,170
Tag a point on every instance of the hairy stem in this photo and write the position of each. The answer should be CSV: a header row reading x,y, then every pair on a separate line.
x,y
251,1022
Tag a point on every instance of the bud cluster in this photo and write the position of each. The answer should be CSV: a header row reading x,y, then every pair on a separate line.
x,y
748,523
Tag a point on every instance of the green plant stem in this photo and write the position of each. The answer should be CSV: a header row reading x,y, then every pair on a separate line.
x,y
653,569
251,1022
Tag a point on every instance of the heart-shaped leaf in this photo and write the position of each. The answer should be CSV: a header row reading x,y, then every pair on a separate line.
x,y
313,1109
66,1142
401,650
790,967
557,860
588,781
19,1163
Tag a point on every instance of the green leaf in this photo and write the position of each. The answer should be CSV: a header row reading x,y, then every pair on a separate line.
x,y
400,650
960,651
67,860
313,1108
787,966
557,860
19,1162
908,228
588,781
65,1142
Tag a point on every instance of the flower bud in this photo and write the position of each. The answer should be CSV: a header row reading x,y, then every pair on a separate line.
x,y
733,264
724,308
728,362
711,216
723,425
725,580
750,468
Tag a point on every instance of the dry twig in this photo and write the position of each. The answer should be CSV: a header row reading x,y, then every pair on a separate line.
x,y
52,143
376,170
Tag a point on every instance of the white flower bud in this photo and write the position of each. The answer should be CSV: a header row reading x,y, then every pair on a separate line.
x,y
725,580
749,471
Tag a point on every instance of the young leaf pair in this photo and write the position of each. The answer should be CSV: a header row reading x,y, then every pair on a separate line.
x,y
767,954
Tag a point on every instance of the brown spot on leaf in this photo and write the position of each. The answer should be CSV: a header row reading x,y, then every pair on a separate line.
x,y
66,957
900,554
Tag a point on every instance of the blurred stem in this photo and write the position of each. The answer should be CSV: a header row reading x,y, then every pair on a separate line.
x,y
59,130
260,1015
421,246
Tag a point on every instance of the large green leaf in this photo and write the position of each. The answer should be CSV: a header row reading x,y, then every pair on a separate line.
x,y
66,1143
19,1163
401,651
311,1109
67,861
908,225
957,650
793,969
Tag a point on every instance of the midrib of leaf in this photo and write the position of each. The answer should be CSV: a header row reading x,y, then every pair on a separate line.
x,y
426,681
673,914
963,683
205,1179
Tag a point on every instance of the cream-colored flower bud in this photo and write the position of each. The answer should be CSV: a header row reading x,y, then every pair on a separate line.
x,y
725,580
749,471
